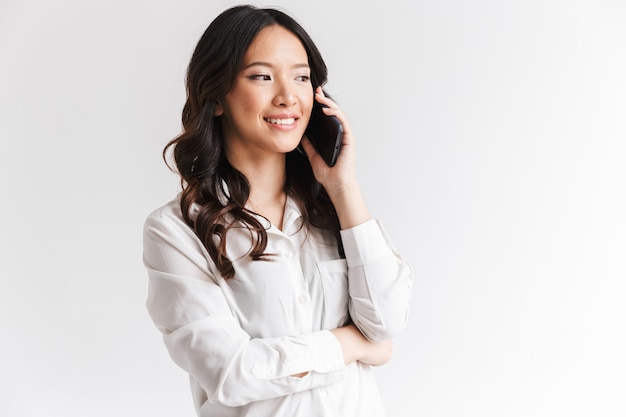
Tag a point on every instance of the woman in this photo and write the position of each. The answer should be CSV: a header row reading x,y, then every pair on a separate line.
x,y
272,286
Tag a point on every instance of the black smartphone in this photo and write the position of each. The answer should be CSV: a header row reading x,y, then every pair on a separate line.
x,y
325,133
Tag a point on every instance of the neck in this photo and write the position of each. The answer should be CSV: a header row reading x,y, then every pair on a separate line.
x,y
267,186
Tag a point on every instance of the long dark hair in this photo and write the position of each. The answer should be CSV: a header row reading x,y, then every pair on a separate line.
x,y
207,178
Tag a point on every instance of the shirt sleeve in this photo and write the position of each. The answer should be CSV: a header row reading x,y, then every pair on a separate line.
x,y
379,282
205,339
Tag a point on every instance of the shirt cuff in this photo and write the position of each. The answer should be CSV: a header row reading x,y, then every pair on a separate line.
x,y
318,353
326,352
364,243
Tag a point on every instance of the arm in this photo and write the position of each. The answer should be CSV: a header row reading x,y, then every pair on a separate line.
x,y
379,281
205,339
356,347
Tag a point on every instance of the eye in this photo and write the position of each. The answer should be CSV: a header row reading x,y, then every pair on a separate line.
x,y
303,78
260,77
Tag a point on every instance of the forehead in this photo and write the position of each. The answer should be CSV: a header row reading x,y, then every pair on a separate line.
x,y
277,44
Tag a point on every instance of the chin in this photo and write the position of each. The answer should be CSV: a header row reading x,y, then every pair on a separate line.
x,y
291,145
295,148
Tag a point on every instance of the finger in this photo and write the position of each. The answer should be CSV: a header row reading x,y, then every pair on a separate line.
x,y
321,98
308,147
332,109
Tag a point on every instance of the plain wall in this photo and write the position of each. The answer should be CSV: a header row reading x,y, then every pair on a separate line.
x,y
492,144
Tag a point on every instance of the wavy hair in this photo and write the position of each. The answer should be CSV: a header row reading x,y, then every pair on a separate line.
x,y
207,178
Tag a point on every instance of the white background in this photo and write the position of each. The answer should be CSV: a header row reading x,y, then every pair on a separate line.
x,y
492,145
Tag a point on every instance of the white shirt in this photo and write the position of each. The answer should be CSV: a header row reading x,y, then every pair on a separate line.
x,y
241,339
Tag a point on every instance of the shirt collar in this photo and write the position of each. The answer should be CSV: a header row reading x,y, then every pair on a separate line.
x,y
290,216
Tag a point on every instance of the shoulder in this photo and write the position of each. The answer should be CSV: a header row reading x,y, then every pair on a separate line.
x,y
168,220
168,211
170,244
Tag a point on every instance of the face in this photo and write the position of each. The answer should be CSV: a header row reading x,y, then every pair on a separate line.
x,y
267,110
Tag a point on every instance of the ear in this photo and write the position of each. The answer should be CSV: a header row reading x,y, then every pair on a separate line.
x,y
219,110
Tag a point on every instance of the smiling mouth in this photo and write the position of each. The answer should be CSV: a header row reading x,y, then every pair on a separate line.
x,y
288,121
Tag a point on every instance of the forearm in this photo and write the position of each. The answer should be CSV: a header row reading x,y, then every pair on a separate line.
x,y
356,347
349,204
237,370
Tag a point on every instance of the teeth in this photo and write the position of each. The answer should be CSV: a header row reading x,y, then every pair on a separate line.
x,y
288,121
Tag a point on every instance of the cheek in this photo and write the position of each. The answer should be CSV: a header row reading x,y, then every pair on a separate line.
x,y
242,102
242,112
307,107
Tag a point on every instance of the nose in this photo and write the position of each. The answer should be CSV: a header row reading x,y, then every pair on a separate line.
x,y
285,95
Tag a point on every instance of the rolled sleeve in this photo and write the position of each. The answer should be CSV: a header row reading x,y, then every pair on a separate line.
x,y
317,352
379,281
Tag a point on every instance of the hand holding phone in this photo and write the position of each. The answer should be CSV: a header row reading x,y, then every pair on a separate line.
x,y
325,133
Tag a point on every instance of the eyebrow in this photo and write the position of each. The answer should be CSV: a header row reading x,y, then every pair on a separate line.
x,y
269,65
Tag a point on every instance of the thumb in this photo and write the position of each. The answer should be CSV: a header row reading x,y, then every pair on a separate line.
x,y
309,149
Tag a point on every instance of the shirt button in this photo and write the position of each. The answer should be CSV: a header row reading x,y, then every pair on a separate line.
x,y
302,299
323,393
